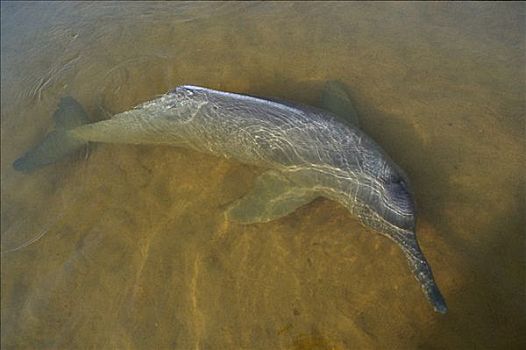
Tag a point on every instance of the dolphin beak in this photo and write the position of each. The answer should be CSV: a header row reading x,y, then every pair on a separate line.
x,y
435,298
422,271
420,268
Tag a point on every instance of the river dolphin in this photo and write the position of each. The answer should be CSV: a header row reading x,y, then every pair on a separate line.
x,y
307,153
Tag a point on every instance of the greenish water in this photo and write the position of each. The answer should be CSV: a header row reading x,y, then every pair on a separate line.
x,y
134,250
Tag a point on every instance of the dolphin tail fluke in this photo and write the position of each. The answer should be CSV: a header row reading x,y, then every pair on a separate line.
x,y
58,143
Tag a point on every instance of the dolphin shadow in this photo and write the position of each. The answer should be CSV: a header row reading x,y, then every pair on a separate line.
x,y
487,306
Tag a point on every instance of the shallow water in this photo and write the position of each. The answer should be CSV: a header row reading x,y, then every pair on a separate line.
x,y
134,251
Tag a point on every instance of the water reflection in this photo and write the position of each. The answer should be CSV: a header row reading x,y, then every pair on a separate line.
x,y
136,252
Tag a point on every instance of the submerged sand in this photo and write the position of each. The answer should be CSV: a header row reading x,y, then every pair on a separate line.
x,y
135,251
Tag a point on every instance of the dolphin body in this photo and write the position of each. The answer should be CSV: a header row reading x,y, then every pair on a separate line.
x,y
309,152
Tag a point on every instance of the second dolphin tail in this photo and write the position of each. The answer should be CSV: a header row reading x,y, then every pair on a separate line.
x,y
58,143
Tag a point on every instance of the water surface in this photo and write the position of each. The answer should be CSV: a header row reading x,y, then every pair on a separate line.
x,y
134,251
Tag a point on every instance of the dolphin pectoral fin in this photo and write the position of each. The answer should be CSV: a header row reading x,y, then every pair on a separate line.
x,y
272,197
335,99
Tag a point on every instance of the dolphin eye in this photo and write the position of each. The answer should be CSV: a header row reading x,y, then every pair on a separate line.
x,y
401,182
397,190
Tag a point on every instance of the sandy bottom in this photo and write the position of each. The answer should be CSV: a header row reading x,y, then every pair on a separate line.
x,y
134,250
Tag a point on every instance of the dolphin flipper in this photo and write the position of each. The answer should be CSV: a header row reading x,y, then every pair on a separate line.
x,y
335,99
272,197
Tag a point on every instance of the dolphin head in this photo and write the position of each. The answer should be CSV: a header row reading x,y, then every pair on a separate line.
x,y
397,198
396,203
382,190
388,207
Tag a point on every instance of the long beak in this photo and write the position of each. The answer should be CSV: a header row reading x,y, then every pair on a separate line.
x,y
421,269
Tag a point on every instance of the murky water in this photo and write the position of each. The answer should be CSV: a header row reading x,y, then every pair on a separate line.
x,y
133,250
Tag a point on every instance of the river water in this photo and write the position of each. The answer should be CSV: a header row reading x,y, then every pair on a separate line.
x,y
127,247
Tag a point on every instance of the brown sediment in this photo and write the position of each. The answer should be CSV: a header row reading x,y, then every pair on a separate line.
x,y
197,315
142,257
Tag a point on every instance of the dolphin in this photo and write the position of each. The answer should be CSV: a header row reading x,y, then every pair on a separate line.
x,y
306,152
